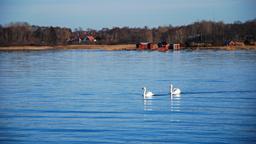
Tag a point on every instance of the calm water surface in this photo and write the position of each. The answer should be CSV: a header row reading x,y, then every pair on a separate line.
x,y
83,96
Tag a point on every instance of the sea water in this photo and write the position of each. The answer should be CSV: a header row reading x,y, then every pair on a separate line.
x,y
92,96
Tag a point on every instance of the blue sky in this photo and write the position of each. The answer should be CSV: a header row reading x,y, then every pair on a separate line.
x,y
98,14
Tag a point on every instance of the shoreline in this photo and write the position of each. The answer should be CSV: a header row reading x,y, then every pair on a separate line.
x,y
227,48
66,47
115,47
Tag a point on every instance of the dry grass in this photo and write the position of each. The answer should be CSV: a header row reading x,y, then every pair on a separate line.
x,y
22,48
102,47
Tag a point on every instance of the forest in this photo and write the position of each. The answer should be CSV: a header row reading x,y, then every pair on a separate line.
x,y
203,32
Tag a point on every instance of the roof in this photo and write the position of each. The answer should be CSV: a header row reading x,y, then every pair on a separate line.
x,y
90,38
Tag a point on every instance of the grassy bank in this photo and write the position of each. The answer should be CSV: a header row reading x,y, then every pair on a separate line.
x,y
101,47
114,47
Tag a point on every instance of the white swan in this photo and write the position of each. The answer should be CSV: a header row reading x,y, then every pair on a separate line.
x,y
174,91
147,94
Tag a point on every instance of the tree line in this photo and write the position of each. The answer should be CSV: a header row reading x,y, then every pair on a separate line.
x,y
21,33
206,32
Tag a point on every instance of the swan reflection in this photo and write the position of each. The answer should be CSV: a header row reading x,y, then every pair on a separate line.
x,y
148,105
175,102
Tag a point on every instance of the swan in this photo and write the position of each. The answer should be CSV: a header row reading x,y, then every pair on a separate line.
x,y
174,91
147,94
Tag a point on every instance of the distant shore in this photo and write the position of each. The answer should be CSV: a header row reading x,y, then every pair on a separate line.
x,y
230,48
92,47
115,47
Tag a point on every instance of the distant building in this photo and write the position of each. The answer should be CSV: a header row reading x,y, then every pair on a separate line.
x,y
250,40
163,46
233,43
152,46
90,39
175,46
81,39
146,46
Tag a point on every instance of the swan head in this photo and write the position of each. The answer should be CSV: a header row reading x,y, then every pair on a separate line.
x,y
144,88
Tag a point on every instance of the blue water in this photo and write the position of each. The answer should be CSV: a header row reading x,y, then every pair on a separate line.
x,y
90,96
